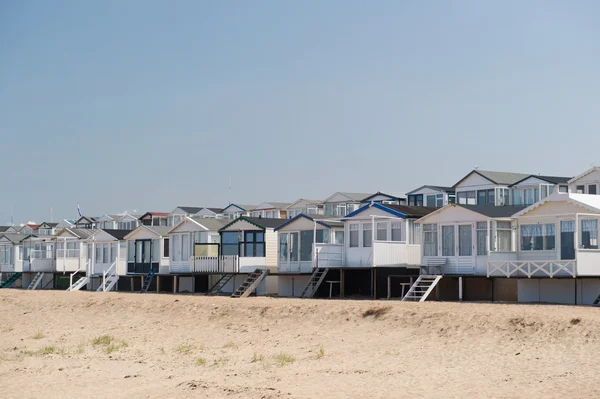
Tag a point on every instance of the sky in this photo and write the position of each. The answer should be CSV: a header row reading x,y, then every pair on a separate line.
x,y
146,105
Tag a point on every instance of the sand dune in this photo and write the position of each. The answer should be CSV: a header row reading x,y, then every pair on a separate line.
x,y
76,344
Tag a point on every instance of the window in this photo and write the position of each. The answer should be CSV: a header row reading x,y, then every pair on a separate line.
x,y
563,189
415,200
439,200
105,253
353,235
338,237
430,239
482,237
176,250
330,209
589,234
155,250
549,236
532,238
467,198
502,196
546,190
113,252
482,197
254,244
130,251
323,236
396,231
229,243
283,247
166,248
592,189
382,231
185,247
431,200
504,236
367,235
452,198
448,241
122,250
580,189
415,233
341,210
306,242
465,240
311,211
98,253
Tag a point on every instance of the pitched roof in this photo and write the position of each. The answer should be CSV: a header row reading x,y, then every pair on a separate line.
x,y
162,231
549,179
505,178
262,223
352,196
211,224
492,211
320,219
437,188
313,202
243,207
80,233
4,228
275,205
587,172
365,199
118,234
14,237
158,214
191,209
589,201
49,224
213,210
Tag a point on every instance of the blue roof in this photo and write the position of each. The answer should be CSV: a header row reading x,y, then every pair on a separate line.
x,y
378,206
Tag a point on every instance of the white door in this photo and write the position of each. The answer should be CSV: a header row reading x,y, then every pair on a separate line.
x,y
294,252
448,247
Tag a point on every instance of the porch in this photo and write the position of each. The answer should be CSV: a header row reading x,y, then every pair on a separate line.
x,y
381,254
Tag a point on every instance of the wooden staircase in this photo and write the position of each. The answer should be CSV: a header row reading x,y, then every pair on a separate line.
x,y
36,281
253,280
79,284
148,281
421,289
11,280
315,281
219,285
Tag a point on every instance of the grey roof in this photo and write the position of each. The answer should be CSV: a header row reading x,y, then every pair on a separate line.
x,y
549,179
245,207
163,231
506,178
412,211
210,223
278,205
4,228
14,237
365,199
50,224
81,233
437,188
265,223
118,234
353,196
492,211
191,209
214,210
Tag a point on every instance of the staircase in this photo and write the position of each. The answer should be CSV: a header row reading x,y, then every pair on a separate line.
x,y
253,280
109,278
219,285
421,289
315,281
11,280
36,281
148,281
79,284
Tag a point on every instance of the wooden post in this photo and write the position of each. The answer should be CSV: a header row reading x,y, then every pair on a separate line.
x,y
342,283
389,287
131,284
460,288
142,281
175,279
157,283
374,283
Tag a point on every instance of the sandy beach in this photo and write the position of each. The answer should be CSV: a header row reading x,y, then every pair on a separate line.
x,y
76,344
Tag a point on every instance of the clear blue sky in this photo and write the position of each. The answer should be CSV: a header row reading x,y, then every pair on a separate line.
x,y
147,105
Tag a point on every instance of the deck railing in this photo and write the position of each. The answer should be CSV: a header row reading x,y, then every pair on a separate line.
x,y
328,255
216,264
395,253
532,268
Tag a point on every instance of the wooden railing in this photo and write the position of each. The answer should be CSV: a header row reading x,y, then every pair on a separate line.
x,y
328,255
532,268
395,253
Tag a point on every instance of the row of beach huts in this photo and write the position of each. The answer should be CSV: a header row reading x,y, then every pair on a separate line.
x,y
492,236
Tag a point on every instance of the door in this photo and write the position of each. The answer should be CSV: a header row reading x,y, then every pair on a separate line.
x,y
465,248
294,247
448,244
284,252
142,256
567,240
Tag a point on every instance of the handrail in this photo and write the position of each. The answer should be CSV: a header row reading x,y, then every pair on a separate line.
x,y
77,271
104,273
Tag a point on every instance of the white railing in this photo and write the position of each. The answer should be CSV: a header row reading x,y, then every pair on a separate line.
x,y
78,271
532,268
216,264
328,255
40,254
395,253
108,273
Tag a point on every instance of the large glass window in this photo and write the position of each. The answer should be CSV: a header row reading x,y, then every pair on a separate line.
x,y
353,235
504,235
176,253
415,200
113,252
482,238
431,200
165,248
549,236
381,231
580,189
592,189
130,251
589,234
338,237
465,240
467,197
185,247
367,235
283,247
448,241
105,253
254,244
229,243
430,240
323,236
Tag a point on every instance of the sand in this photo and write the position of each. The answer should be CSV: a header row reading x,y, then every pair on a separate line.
x,y
111,345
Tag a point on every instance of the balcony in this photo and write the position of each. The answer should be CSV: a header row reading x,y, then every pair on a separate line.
x,y
392,253
216,264
507,264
